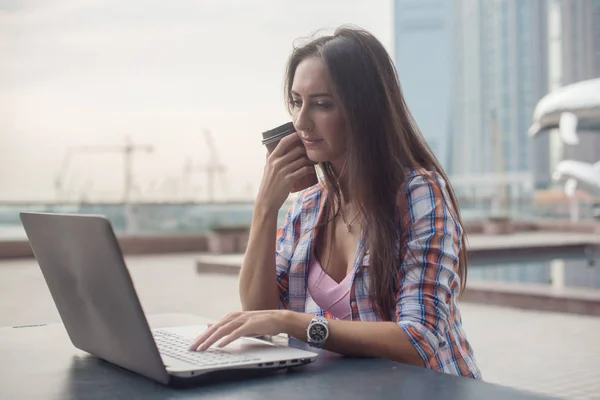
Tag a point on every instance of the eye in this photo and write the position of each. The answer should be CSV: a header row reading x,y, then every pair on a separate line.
x,y
324,105
296,102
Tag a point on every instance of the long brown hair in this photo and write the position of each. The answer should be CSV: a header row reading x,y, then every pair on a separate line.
x,y
383,141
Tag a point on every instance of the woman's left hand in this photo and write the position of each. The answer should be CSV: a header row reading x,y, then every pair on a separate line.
x,y
238,324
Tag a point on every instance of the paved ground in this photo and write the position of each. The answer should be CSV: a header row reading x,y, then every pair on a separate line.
x,y
548,353
551,353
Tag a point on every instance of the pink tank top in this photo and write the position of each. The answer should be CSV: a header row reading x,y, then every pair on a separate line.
x,y
331,296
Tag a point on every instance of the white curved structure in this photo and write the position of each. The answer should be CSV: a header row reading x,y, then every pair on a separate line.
x,y
578,174
570,108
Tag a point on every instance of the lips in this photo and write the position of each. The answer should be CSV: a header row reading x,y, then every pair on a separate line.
x,y
311,140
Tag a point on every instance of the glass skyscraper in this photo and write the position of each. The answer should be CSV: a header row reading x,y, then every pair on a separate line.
x,y
422,55
499,73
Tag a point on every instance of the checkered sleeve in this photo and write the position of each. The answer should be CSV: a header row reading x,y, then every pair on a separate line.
x,y
428,270
287,236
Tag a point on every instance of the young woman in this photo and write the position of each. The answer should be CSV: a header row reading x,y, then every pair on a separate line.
x,y
371,260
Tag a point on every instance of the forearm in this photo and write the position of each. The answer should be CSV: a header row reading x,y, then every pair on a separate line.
x,y
356,338
257,284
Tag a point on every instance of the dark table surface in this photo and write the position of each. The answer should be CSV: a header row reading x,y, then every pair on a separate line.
x,y
39,362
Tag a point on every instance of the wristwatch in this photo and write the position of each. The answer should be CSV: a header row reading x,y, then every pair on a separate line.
x,y
317,332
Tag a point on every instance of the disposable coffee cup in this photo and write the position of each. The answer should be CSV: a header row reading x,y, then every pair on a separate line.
x,y
273,136
270,140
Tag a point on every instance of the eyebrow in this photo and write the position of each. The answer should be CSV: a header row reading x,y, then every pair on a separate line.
x,y
314,94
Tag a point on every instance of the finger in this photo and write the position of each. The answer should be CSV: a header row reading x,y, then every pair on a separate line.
x,y
220,333
244,330
294,176
298,164
291,161
201,338
286,144
291,155
211,329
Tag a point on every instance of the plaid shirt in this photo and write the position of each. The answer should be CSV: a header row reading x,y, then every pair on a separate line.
x,y
427,309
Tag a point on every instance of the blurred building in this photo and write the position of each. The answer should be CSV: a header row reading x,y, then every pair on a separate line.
x,y
574,38
473,70
580,40
422,53
574,43
500,71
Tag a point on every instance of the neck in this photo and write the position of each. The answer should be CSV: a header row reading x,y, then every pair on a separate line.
x,y
340,171
348,210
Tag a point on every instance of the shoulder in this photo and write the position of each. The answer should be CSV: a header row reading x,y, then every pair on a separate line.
x,y
424,193
422,181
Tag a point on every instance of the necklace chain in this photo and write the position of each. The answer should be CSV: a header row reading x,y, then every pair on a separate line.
x,y
348,224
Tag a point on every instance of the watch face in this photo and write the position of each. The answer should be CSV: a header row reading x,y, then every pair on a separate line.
x,y
318,332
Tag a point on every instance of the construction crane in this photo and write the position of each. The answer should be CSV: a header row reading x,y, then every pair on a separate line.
x,y
213,169
128,149
188,170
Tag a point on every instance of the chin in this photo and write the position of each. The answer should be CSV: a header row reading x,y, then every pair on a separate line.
x,y
316,156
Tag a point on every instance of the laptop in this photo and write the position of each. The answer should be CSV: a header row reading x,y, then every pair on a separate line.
x,y
85,271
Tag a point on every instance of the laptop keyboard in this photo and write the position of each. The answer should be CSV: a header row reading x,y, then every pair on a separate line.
x,y
176,346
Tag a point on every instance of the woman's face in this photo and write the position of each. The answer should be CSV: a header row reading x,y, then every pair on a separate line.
x,y
317,116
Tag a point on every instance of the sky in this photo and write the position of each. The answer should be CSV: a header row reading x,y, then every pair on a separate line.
x,y
93,72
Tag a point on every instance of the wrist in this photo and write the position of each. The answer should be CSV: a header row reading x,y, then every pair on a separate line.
x,y
263,211
295,324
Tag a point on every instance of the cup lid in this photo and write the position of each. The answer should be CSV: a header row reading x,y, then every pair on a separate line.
x,y
280,131
276,138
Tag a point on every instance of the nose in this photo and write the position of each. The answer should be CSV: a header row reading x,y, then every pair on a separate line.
x,y
301,118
